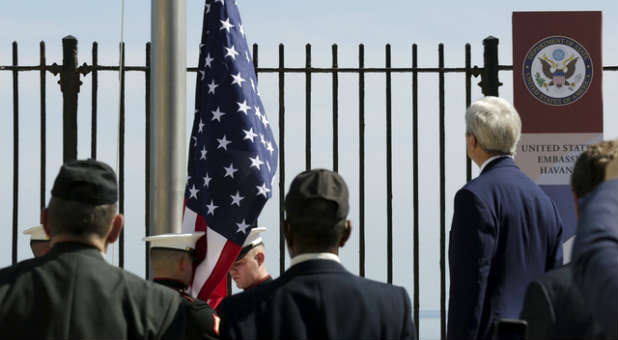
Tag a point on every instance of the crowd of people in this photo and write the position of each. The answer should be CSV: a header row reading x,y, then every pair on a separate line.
x,y
505,261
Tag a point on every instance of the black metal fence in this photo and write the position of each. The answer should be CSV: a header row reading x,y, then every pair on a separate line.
x,y
70,83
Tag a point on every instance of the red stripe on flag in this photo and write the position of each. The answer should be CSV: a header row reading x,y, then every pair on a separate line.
x,y
201,246
218,277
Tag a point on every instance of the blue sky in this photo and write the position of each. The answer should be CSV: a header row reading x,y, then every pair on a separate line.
x,y
294,23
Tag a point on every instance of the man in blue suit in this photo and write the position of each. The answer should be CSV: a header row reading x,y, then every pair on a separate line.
x,y
595,253
317,298
506,231
553,306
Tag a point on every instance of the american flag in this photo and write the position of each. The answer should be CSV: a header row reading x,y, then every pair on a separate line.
x,y
232,152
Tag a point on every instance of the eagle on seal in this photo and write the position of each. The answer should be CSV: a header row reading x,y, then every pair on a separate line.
x,y
558,77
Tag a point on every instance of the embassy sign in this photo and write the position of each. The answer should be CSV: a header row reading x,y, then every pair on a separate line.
x,y
557,70
557,80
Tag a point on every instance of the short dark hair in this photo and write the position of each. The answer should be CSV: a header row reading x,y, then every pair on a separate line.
x,y
589,170
166,256
78,218
319,235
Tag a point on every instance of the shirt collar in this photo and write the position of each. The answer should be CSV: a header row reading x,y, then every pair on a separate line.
x,y
490,159
314,256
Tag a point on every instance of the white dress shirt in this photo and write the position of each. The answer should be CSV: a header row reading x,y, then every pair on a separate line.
x,y
314,256
490,159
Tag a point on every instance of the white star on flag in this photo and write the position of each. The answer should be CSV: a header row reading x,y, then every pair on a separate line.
x,y
236,198
256,162
212,86
238,79
211,208
223,142
249,134
203,152
242,226
217,114
263,190
194,192
229,171
225,25
207,180
208,60
243,107
231,52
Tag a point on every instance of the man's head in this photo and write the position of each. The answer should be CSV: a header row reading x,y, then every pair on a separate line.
x,y
493,128
39,241
83,205
316,213
249,268
590,167
172,255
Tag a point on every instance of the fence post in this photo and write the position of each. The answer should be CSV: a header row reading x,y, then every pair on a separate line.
x,y
489,81
69,85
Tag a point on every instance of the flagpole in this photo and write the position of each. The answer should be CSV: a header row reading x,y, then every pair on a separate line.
x,y
168,129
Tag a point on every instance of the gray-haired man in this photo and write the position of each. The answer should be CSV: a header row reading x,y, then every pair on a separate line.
x,y
506,231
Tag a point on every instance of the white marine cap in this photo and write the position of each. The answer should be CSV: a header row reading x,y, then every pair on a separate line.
x,y
253,239
184,242
37,233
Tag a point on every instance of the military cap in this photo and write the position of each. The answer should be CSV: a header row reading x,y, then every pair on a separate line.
x,y
185,242
312,186
87,181
253,240
37,233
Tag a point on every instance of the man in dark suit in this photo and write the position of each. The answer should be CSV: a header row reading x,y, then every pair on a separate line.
x,y
553,306
72,292
317,298
505,232
595,253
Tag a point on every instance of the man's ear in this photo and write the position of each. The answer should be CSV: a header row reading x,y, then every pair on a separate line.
x,y
472,142
117,224
346,233
184,263
289,238
259,257
44,222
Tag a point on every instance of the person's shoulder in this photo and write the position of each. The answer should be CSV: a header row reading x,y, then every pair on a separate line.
x,y
10,273
379,288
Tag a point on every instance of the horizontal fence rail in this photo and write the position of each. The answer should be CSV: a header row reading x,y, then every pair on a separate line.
x,y
70,75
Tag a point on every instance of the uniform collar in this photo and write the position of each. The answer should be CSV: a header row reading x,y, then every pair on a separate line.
x,y
69,246
171,283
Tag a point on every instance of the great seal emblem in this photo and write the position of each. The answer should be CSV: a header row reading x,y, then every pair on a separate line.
x,y
557,70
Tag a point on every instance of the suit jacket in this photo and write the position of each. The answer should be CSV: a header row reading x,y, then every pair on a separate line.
x,y
318,299
595,254
505,233
555,309
72,293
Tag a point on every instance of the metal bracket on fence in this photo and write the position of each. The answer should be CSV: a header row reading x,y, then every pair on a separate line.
x,y
476,71
489,77
69,85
